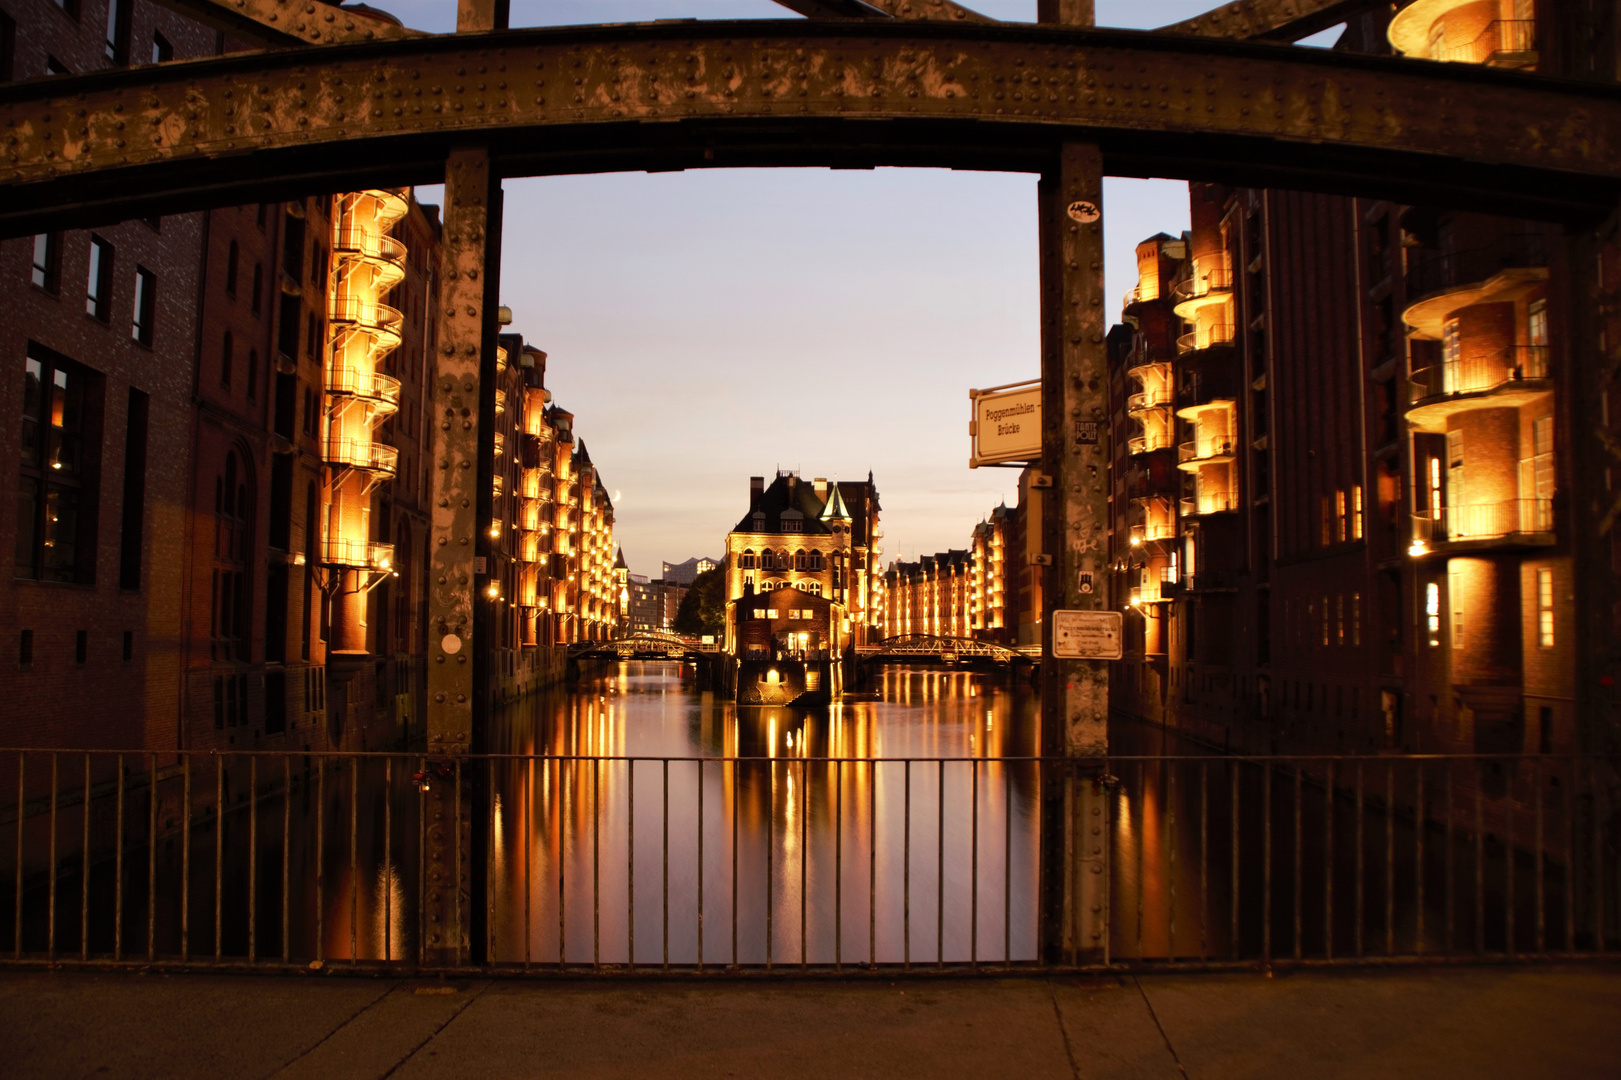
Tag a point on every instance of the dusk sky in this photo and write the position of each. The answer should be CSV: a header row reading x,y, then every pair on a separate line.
x,y
710,325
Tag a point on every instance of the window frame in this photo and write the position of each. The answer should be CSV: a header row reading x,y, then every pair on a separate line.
x,y
98,297
75,487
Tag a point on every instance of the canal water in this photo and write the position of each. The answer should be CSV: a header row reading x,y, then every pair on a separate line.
x,y
638,819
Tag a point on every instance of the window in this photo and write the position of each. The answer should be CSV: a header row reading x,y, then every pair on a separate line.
x,y
162,51
1451,353
231,260
25,649
226,358
98,299
1455,476
8,46
1545,607
129,645
53,66
1325,620
1339,619
1325,526
1356,512
47,272
52,532
1342,516
1432,612
258,285
81,647
130,532
117,44
232,505
1356,618
146,304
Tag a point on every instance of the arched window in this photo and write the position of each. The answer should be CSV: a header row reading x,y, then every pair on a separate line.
x,y
226,358
230,269
258,286
253,374
801,561
746,560
816,560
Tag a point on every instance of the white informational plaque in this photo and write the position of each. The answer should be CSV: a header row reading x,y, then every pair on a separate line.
x,y
1087,635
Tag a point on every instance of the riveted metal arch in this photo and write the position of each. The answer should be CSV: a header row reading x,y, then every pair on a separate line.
x,y
1271,20
282,23
994,96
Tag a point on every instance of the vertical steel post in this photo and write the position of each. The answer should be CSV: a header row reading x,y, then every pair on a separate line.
x,y
1075,440
466,348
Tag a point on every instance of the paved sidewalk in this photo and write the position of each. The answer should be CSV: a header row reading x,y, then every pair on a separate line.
x,y
1524,1023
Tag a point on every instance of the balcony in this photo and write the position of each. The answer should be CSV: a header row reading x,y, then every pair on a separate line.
x,y
1210,451
1436,271
1148,399
1206,278
500,401
1528,521
376,319
380,391
1205,337
1507,378
363,454
1212,581
1150,531
1503,43
384,253
1210,502
357,554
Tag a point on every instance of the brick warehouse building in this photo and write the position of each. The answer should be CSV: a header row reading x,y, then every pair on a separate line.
x,y
222,493
1337,513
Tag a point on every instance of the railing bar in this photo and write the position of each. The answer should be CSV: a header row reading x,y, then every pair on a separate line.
x,y
770,863
666,819
1204,859
1329,801
286,849
973,892
219,849
320,858
940,867
151,857
354,860
22,787
1168,770
630,860
562,862
185,856
596,864
1007,863
1266,866
872,868
1360,913
1420,826
700,865
526,838
489,862
118,870
253,859
1390,858
422,862
1451,868
1480,868
1142,822
1542,911
84,871
1508,859
906,873
1236,767
50,921
1570,857
464,939
838,866
1299,874
388,859
804,835
1597,868
735,795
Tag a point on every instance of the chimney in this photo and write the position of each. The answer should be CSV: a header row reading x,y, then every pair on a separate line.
x,y
820,484
756,489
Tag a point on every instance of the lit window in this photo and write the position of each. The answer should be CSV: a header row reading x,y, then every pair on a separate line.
x,y
1325,620
1545,607
1340,516
1432,612
1356,512
1356,618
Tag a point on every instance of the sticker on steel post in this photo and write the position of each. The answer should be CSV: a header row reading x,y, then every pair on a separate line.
x,y
1085,212
1086,433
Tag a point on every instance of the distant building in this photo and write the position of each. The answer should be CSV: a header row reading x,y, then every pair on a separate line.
x,y
683,573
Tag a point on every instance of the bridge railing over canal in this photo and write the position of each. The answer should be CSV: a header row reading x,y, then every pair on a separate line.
x,y
791,864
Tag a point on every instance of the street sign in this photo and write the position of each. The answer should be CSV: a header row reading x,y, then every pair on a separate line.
x,y
1087,635
1006,426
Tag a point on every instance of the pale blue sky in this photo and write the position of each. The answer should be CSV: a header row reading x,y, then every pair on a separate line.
x,y
709,325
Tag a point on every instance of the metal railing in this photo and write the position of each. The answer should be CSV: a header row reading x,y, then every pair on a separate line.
x,y
1432,271
1500,36
1485,521
383,391
364,454
361,554
1475,375
1205,337
1206,277
603,863
1205,449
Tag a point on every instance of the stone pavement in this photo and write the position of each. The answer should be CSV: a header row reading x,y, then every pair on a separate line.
x,y
1429,1023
